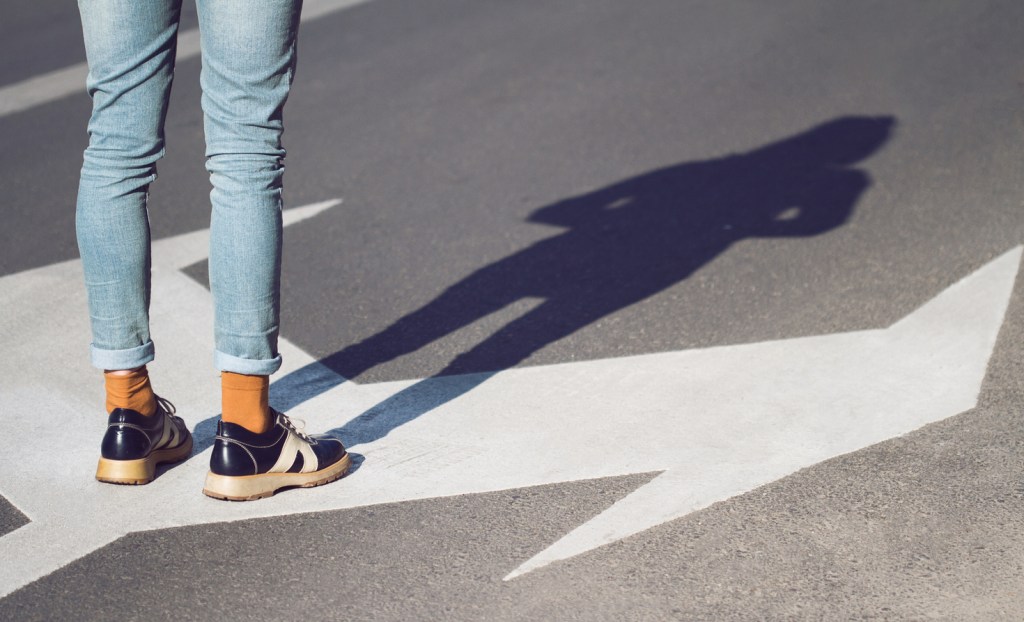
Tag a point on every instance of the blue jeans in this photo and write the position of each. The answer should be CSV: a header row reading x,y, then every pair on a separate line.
x,y
248,54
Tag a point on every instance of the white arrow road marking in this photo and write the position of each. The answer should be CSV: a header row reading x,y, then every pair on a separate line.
x,y
715,422
54,85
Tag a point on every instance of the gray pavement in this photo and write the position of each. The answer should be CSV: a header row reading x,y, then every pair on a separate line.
x,y
451,130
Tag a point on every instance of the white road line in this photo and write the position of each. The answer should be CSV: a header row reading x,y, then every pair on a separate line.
x,y
61,83
716,422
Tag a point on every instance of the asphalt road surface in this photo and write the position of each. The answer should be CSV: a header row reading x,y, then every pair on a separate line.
x,y
530,193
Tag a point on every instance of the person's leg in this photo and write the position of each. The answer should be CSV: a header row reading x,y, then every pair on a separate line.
x,y
249,49
248,63
130,47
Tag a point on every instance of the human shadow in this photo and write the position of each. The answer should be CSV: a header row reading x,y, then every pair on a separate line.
x,y
623,243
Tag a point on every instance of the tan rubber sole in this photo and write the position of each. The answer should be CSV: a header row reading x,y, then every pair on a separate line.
x,y
143,470
252,487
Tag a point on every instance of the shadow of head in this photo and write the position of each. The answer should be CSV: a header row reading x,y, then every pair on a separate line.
x,y
840,142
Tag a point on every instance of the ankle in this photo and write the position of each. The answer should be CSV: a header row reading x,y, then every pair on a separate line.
x,y
245,401
130,389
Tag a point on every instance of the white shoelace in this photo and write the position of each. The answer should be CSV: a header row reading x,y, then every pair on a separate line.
x,y
297,426
166,405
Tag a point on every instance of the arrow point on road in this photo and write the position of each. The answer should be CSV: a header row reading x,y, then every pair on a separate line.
x,y
926,367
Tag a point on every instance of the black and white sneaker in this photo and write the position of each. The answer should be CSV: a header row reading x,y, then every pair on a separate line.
x,y
246,465
134,444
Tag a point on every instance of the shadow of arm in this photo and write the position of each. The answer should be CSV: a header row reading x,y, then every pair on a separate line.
x,y
819,206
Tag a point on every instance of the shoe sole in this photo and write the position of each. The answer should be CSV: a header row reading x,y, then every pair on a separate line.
x,y
252,487
143,470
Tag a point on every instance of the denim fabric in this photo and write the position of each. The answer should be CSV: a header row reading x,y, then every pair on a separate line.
x,y
248,53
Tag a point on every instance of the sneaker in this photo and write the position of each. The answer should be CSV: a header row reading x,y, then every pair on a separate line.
x,y
134,444
246,465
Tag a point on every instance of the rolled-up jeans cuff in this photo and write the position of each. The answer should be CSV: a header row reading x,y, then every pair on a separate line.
x,y
249,367
122,359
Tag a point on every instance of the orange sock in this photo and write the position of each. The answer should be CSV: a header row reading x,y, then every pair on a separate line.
x,y
244,401
131,390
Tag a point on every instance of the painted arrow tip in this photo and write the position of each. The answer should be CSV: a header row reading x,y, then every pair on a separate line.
x,y
959,304
950,337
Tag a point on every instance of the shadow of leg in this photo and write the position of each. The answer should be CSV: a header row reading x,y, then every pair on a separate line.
x,y
406,405
203,434
303,384
507,347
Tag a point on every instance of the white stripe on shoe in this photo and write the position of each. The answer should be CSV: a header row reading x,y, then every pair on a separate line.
x,y
294,446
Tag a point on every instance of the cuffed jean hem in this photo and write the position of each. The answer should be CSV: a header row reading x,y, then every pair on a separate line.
x,y
122,359
249,367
